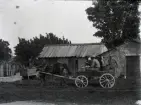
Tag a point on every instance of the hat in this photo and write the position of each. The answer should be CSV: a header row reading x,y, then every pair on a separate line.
x,y
89,58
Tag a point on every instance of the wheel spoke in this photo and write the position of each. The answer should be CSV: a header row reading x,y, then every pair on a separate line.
x,y
104,77
111,82
103,81
109,85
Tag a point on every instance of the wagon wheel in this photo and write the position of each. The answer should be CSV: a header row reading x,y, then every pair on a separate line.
x,y
81,81
107,80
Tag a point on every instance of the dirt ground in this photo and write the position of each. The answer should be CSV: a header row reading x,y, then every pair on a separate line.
x,y
54,93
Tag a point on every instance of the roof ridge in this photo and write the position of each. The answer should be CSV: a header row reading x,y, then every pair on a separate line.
x,y
72,50
73,44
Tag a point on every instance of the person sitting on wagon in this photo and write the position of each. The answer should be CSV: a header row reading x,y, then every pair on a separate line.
x,y
95,64
88,62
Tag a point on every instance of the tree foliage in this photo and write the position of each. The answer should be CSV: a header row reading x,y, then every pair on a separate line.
x,y
116,20
30,49
5,51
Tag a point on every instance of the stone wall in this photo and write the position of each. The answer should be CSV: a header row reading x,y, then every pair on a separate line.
x,y
119,55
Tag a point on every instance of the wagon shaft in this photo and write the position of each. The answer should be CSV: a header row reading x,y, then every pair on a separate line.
x,y
60,76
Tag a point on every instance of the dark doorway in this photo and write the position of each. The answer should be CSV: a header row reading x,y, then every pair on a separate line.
x,y
133,66
76,65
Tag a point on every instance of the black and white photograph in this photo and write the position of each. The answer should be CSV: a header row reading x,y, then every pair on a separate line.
x,y
70,52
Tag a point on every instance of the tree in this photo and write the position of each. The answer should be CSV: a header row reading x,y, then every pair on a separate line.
x,y
30,49
23,51
116,20
5,51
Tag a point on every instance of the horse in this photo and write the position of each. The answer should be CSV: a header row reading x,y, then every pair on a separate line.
x,y
57,68
42,76
61,69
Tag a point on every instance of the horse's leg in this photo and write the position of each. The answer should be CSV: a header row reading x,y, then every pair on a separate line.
x,y
62,81
41,80
52,79
44,79
39,77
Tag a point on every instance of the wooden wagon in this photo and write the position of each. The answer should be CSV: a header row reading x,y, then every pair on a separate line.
x,y
105,77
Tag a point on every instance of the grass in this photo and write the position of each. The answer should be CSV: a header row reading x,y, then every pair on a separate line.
x,y
54,93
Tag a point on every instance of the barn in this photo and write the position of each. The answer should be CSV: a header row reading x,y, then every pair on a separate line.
x,y
128,63
127,57
74,55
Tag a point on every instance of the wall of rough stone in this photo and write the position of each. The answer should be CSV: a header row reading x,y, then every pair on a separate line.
x,y
119,55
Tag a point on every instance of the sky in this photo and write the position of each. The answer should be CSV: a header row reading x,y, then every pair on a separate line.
x,y
34,17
